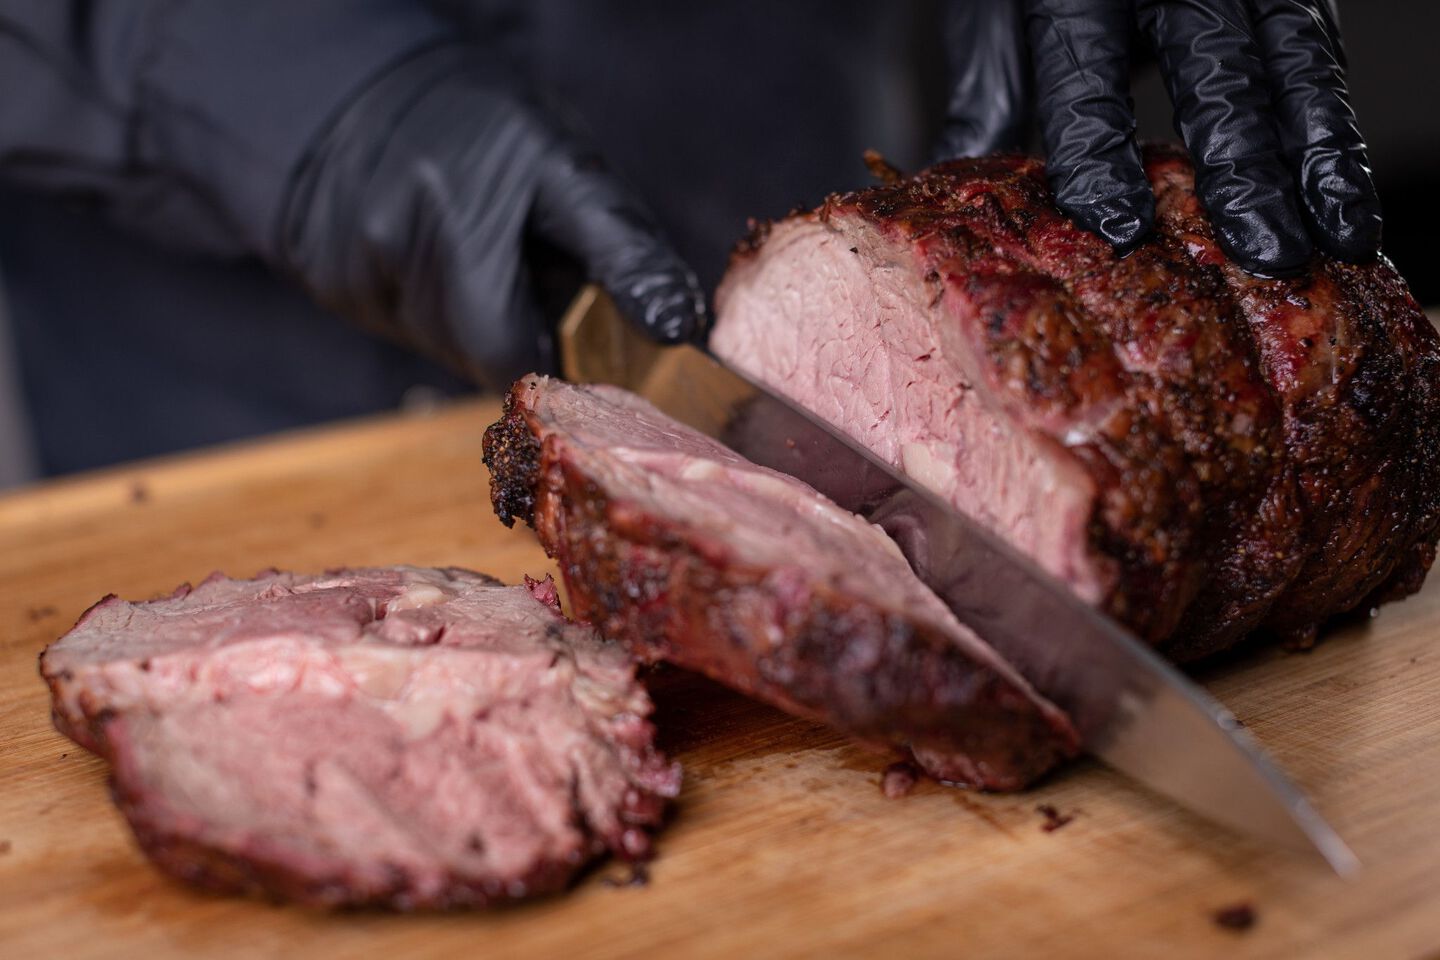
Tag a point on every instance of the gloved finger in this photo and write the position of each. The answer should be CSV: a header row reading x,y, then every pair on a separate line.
x,y
443,219
1080,50
586,211
1212,66
989,106
1317,125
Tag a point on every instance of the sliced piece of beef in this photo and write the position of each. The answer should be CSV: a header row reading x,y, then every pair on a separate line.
x,y
405,737
1195,450
673,544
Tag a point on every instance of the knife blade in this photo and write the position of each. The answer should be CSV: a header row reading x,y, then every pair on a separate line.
x,y
1133,710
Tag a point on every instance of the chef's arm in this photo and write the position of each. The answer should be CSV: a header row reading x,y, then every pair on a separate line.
x,y
354,144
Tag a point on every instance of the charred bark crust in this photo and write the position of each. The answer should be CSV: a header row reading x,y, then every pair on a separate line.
x,y
268,875
512,454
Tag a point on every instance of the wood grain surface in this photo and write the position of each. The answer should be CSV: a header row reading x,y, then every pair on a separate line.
x,y
782,843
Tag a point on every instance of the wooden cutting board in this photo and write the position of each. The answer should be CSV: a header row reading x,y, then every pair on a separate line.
x,y
782,843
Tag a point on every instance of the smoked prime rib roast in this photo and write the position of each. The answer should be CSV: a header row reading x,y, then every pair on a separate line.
x,y
400,736
1198,451
685,551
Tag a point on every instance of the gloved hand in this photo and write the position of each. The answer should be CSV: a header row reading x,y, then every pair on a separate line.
x,y
356,145
990,89
419,207
1260,102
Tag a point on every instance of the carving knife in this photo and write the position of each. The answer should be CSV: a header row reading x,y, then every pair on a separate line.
x,y
1133,710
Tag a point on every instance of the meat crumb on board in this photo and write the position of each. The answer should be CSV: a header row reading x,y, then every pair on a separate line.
x,y
639,876
1054,819
1238,917
899,779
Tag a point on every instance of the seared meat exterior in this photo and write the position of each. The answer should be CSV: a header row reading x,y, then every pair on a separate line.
x,y
401,737
1195,450
686,552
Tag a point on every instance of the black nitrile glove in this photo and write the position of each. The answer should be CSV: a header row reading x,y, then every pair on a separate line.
x,y
418,206
990,89
1260,101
